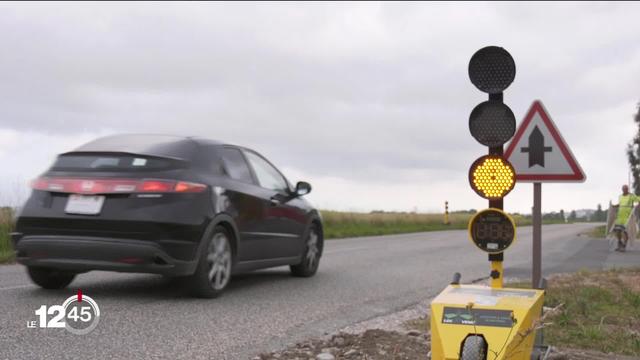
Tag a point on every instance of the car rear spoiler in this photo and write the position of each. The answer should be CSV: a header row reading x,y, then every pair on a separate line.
x,y
161,156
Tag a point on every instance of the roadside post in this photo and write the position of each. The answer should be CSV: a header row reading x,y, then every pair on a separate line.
x,y
539,154
446,213
477,322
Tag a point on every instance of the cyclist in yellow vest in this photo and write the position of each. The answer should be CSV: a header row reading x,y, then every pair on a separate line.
x,y
625,207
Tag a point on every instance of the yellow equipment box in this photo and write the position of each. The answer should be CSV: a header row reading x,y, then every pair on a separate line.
x,y
498,323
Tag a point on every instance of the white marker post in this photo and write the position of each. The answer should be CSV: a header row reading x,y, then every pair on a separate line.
x,y
539,154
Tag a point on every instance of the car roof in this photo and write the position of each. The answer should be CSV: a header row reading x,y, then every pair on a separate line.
x,y
178,147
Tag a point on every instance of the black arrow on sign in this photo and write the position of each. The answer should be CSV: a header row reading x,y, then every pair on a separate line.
x,y
536,148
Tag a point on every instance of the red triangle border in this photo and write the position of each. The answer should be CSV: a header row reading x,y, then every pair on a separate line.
x,y
578,174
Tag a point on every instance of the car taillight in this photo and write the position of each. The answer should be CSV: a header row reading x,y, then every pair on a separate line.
x,y
156,186
115,186
183,186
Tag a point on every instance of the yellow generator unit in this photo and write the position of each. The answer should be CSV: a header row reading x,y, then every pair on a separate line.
x,y
472,322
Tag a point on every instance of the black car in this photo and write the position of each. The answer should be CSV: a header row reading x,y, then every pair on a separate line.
x,y
178,206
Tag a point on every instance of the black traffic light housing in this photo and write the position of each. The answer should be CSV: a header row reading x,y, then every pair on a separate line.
x,y
492,123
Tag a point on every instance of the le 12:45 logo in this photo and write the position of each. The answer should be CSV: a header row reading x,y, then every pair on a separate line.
x,y
79,314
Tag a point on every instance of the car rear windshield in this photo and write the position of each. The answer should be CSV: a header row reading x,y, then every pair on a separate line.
x,y
113,162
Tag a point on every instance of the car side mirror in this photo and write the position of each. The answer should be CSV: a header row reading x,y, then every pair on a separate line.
x,y
302,188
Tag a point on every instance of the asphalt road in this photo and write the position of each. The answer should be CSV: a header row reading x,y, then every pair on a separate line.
x,y
145,316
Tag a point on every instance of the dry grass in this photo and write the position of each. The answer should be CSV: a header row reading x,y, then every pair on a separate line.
x,y
421,324
597,232
6,227
349,224
601,311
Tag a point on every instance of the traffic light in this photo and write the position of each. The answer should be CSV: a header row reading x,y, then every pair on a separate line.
x,y
471,321
492,124
492,69
492,177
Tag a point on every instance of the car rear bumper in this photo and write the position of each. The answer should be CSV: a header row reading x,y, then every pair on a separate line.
x,y
92,253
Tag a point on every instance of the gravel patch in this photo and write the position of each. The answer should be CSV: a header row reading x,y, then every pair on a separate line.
x,y
370,345
402,335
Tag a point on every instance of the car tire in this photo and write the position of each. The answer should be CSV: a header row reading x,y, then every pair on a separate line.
x,y
213,271
311,255
50,279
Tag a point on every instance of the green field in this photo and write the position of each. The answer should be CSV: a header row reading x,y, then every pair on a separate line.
x,y
348,224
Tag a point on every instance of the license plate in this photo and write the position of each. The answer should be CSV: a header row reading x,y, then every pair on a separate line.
x,y
84,205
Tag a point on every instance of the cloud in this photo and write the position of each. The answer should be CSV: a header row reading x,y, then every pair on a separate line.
x,y
24,155
357,97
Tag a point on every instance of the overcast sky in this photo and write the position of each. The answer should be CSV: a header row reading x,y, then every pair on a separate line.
x,y
367,101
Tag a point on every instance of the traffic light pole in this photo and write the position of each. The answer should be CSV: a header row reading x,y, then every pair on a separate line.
x,y
446,213
492,124
497,270
496,150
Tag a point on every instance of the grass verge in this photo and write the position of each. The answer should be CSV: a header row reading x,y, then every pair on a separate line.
x,y
598,232
601,311
6,227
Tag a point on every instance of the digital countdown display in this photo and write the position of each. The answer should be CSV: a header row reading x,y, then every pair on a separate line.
x,y
492,230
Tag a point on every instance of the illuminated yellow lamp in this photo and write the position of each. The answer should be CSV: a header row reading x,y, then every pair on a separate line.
x,y
492,177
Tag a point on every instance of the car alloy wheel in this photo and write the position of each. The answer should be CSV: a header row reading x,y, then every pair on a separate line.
x,y
311,257
219,261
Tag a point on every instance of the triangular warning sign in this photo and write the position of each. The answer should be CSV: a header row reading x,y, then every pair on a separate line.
x,y
538,152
